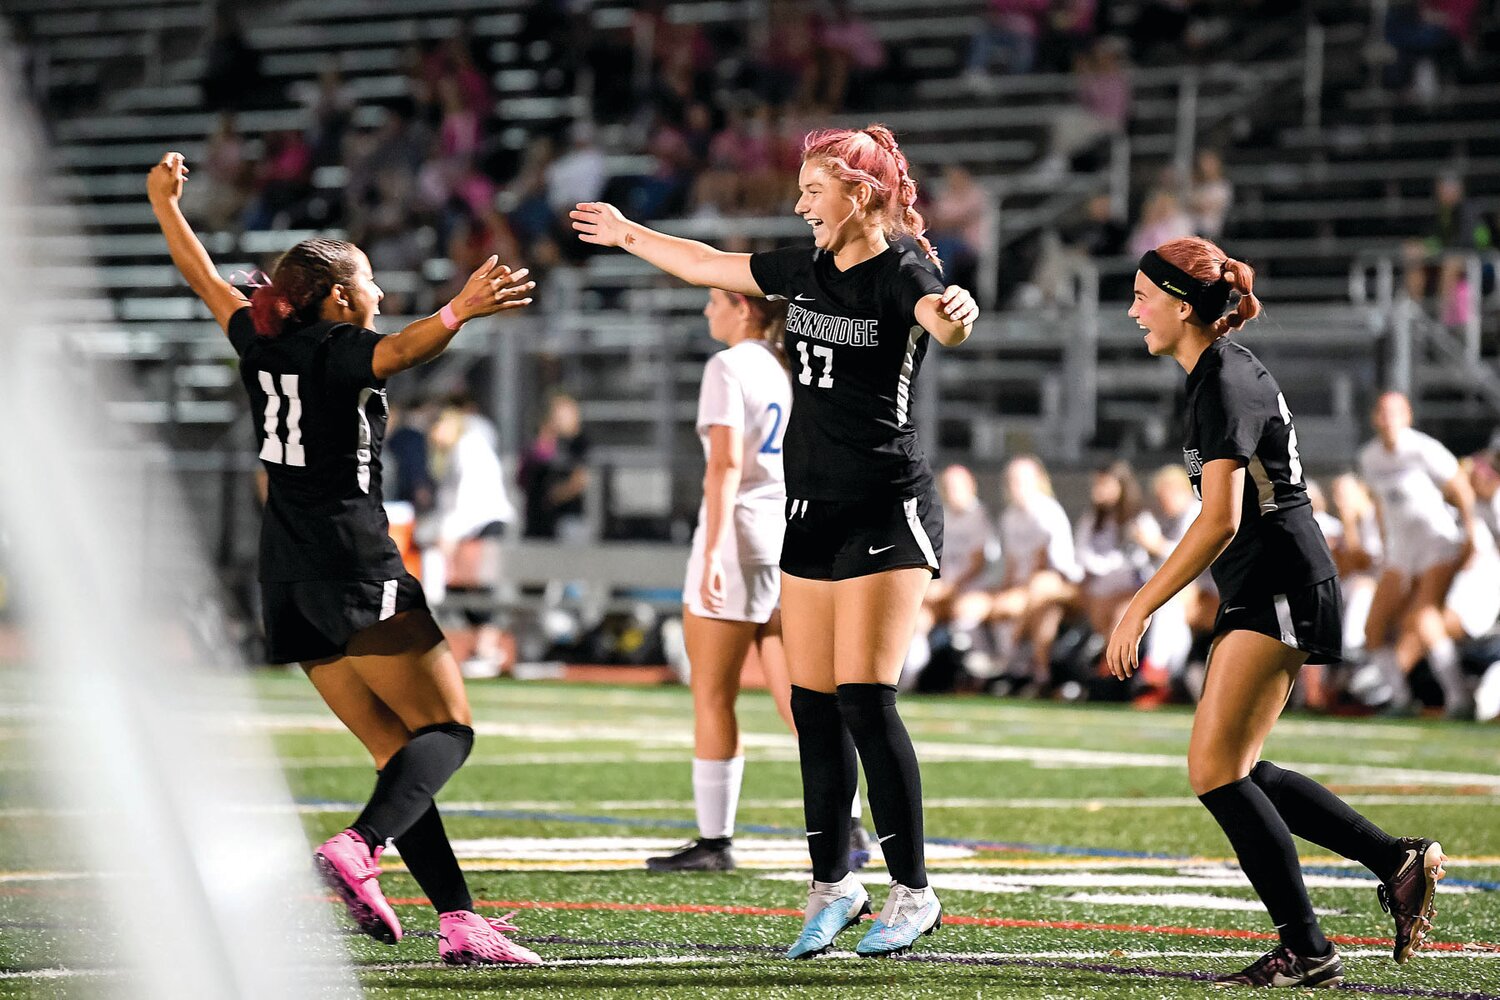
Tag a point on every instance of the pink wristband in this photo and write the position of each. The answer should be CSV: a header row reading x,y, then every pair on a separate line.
x,y
450,318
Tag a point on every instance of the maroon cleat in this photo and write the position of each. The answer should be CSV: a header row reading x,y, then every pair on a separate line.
x,y
1283,968
1408,895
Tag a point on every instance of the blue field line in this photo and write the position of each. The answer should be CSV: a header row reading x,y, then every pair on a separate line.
x,y
783,831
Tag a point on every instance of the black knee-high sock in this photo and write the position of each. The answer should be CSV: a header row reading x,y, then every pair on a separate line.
x,y
829,779
1314,813
895,783
411,779
1268,857
428,855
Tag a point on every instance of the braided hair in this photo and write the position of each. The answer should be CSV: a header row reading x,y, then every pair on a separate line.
x,y
872,156
300,281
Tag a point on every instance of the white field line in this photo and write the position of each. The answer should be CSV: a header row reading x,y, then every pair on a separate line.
x,y
1048,757
739,959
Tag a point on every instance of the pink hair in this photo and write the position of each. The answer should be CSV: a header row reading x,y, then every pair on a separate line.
x,y
1206,262
871,156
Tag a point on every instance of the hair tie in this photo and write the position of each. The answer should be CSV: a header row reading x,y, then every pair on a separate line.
x,y
254,278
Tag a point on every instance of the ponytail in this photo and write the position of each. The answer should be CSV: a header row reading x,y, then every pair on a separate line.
x,y
1241,278
269,310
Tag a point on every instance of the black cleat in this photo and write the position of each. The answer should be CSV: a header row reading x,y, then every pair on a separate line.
x,y
1408,895
695,856
859,846
1280,967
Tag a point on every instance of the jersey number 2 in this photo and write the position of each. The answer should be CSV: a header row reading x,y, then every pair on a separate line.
x,y
825,381
771,446
1293,460
273,450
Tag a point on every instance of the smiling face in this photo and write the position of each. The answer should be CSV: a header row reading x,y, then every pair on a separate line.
x,y
361,296
833,209
1164,317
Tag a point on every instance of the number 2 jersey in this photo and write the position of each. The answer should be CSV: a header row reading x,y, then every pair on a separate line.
x,y
856,350
1236,411
319,414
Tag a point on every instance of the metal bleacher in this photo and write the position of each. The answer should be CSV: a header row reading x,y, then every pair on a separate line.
x,y
1328,170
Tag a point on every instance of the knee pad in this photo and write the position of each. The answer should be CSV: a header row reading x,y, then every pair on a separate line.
x,y
461,734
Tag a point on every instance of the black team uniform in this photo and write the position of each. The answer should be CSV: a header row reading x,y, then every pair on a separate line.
x,y
1277,578
860,501
328,566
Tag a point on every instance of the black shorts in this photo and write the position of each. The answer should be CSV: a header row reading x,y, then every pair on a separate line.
x,y
840,540
315,619
1309,619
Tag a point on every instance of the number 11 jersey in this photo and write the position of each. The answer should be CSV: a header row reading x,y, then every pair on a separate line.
x,y
856,349
319,414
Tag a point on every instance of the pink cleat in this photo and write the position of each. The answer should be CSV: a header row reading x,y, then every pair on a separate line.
x,y
466,938
349,869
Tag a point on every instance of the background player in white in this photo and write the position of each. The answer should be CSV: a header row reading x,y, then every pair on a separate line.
x,y
732,592
335,594
1413,479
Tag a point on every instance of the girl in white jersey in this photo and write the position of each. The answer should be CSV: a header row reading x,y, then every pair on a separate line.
x,y
733,587
1413,479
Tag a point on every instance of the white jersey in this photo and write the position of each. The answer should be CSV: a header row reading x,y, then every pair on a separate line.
x,y
1025,534
1408,483
746,387
471,489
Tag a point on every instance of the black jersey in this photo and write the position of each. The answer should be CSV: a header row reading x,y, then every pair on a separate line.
x,y
319,414
856,349
1236,411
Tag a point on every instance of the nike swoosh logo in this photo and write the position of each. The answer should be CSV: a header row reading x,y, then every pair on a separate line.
x,y
804,298
875,552
1411,857
885,838
815,833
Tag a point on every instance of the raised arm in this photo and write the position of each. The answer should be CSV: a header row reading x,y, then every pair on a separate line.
x,y
491,289
164,188
696,263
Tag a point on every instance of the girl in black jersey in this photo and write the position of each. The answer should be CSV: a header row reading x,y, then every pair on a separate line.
x,y
336,597
864,528
1280,608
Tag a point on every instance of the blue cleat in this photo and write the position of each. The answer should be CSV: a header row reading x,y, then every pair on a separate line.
x,y
832,908
906,916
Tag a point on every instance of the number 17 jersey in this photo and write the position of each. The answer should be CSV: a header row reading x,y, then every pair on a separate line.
x,y
319,414
856,349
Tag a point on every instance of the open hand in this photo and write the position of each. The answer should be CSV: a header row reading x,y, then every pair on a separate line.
x,y
958,306
599,223
164,182
1122,655
711,591
492,288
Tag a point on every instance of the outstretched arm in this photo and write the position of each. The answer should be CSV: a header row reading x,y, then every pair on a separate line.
x,y
491,289
696,263
164,188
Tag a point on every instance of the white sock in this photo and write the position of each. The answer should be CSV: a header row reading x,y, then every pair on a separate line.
x,y
1385,659
716,795
1443,659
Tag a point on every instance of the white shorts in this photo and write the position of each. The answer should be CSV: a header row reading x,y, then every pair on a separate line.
x,y
752,592
1414,553
1475,597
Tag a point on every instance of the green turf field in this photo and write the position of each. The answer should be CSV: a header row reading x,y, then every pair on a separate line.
x,y
1071,859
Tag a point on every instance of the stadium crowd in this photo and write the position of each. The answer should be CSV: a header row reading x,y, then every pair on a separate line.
x,y
1028,597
